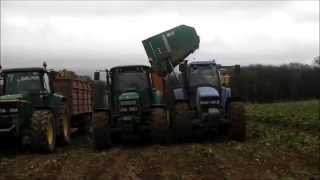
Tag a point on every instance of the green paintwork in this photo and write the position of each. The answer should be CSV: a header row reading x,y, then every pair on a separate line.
x,y
129,96
28,103
172,46
132,91
25,109
156,97
13,97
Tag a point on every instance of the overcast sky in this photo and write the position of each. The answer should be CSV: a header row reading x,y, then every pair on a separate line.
x,y
86,35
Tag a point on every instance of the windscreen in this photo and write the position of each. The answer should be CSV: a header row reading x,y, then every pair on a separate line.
x,y
130,81
203,74
22,83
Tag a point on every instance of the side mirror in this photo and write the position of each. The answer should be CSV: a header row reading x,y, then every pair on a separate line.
x,y
52,76
1,86
182,67
107,76
237,68
96,76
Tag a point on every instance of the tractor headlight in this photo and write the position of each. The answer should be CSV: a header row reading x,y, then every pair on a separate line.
x,y
128,103
210,102
123,109
134,108
213,111
13,110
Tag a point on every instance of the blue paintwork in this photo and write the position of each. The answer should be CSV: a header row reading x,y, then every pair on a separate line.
x,y
225,95
207,92
203,92
179,94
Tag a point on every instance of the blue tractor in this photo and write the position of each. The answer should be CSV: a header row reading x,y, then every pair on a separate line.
x,y
204,96
207,100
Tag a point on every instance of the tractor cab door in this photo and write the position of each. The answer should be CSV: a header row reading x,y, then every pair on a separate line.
x,y
1,84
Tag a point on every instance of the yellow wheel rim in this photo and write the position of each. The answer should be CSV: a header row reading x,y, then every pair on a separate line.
x,y
50,131
66,127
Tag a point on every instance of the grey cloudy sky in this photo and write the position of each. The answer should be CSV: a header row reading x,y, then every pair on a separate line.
x,y
89,35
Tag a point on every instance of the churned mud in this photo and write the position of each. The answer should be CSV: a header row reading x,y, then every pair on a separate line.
x,y
271,151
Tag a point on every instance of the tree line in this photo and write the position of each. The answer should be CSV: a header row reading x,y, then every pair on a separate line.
x,y
266,83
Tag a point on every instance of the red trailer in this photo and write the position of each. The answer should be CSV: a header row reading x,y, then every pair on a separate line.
x,y
79,94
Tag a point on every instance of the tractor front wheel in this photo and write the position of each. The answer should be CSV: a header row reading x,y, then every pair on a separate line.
x,y
161,131
101,131
43,131
182,120
237,129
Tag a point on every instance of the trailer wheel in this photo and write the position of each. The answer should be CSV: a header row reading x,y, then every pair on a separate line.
x,y
64,137
237,130
84,123
101,132
161,131
43,131
182,120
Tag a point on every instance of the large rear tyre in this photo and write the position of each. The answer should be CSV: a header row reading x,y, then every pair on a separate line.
x,y
43,131
64,137
101,132
237,129
161,132
182,121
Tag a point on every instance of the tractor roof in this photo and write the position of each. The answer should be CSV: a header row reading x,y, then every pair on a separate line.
x,y
129,67
30,69
202,62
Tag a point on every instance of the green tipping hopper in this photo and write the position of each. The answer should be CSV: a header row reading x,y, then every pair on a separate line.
x,y
169,48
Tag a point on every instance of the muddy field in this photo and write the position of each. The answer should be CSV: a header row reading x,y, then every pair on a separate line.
x,y
282,150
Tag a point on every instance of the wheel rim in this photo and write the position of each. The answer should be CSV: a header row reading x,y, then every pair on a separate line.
x,y
66,127
50,131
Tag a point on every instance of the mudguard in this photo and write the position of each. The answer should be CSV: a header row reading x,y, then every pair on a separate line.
x,y
180,95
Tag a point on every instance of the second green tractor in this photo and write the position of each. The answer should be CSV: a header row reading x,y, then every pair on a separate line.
x,y
131,108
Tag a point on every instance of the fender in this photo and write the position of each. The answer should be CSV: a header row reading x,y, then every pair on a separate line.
x,y
180,95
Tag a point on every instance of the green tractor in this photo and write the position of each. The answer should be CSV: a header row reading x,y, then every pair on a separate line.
x,y
30,111
132,107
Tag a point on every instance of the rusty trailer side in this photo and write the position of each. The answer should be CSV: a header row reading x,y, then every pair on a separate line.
x,y
78,93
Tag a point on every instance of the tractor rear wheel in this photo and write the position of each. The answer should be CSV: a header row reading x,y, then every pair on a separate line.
x,y
182,120
101,131
237,129
43,131
64,137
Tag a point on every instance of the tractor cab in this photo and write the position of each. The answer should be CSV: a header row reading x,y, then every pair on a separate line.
x,y
201,79
131,88
33,83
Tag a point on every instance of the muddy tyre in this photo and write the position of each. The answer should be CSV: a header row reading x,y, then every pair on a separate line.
x,y
161,132
182,121
65,128
43,131
101,132
237,130
84,124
